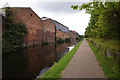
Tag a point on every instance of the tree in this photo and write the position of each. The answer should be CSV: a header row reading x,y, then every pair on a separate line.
x,y
104,21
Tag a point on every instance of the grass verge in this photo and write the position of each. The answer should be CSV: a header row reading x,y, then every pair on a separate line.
x,y
110,71
55,71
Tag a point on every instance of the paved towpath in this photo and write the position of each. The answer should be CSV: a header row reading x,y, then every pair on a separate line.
x,y
83,64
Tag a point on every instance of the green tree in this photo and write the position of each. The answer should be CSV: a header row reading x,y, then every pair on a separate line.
x,y
13,37
104,20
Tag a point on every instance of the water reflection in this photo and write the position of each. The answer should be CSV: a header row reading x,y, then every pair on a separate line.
x,y
27,63
61,50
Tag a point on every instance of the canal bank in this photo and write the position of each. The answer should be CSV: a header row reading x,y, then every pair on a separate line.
x,y
55,71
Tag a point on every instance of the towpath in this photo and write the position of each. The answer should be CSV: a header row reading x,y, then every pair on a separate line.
x,y
83,64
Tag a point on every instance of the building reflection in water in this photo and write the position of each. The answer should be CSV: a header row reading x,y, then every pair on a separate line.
x,y
28,63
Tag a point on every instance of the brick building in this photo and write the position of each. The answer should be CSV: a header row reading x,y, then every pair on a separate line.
x,y
33,23
62,35
65,35
73,35
48,30
61,30
39,30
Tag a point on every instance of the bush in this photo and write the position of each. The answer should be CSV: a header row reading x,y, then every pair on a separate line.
x,y
67,40
45,43
60,41
79,38
13,37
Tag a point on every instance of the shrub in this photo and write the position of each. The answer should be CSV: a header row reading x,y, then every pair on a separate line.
x,y
67,40
13,37
60,41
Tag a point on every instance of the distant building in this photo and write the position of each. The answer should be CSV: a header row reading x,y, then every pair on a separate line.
x,y
61,30
60,27
48,30
73,35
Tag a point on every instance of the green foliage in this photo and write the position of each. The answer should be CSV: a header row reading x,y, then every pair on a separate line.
x,y
104,25
55,71
79,38
8,15
67,40
104,20
45,43
110,70
75,7
60,41
13,37
112,44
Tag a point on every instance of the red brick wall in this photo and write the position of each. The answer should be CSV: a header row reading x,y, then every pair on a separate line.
x,y
33,24
65,35
73,36
58,34
49,37
48,31
62,35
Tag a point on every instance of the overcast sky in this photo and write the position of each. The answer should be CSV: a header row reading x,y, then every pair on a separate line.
x,y
58,10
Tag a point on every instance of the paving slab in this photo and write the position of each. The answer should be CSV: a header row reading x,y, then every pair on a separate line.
x,y
83,64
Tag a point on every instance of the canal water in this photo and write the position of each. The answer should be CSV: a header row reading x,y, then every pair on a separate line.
x,y
32,62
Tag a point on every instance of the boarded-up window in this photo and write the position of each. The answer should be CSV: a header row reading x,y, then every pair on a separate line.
x,y
44,29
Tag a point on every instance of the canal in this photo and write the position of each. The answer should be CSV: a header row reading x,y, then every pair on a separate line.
x,y
32,62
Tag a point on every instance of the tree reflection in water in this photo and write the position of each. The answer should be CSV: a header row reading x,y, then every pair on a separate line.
x,y
27,63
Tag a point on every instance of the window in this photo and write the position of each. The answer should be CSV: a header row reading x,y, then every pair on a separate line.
x,y
30,14
59,29
50,30
44,30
